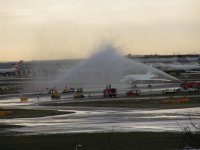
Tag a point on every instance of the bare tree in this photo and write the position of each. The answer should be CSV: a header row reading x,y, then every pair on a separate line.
x,y
191,134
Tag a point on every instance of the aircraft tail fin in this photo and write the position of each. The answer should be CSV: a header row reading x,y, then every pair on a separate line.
x,y
18,65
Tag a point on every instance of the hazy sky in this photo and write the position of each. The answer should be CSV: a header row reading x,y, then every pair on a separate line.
x,y
57,29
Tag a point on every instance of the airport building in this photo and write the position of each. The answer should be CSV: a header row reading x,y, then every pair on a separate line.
x,y
180,66
52,67
37,68
166,58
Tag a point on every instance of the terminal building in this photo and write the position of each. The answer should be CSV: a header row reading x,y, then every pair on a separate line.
x,y
37,68
166,58
52,67
180,66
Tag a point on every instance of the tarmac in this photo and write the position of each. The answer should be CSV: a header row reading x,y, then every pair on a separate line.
x,y
97,119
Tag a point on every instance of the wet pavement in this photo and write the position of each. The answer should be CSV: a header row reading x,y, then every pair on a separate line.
x,y
98,119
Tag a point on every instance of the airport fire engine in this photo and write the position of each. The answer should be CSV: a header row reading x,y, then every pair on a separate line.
x,y
188,85
110,92
55,95
133,93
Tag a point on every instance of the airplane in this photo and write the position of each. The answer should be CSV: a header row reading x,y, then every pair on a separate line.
x,y
185,67
15,68
148,77
142,77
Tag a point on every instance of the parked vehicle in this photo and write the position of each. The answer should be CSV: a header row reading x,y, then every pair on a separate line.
x,y
71,90
79,90
187,85
169,91
65,90
51,90
78,95
133,93
55,95
110,92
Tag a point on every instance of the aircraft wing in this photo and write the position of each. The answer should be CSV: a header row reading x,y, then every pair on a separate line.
x,y
135,78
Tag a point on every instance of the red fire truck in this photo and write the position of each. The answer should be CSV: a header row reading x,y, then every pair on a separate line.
x,y
110,92
187,85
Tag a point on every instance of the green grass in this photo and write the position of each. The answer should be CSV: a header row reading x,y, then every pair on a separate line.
x,y
132,103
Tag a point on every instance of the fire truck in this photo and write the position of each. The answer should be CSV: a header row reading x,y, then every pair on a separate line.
x,y
55,95
79,93
188,85
109,92
133,93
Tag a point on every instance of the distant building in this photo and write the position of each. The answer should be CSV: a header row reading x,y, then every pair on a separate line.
x,y
39,68
165,58
49,68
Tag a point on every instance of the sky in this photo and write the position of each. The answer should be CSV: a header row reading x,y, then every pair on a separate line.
x,y
71,29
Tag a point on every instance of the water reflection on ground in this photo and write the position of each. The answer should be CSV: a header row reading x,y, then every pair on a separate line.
x,y
101,119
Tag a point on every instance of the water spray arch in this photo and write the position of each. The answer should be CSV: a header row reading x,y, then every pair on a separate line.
x,y
103,68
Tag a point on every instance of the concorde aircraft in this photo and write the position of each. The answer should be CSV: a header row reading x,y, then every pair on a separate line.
x,y
142,78
178,66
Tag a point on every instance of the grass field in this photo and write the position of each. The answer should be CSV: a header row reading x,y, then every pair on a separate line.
x,y
97,141
134,103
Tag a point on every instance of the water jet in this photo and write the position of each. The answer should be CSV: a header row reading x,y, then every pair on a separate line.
x,y
104,68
